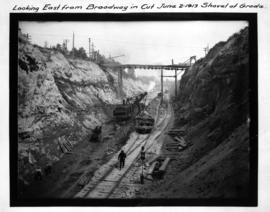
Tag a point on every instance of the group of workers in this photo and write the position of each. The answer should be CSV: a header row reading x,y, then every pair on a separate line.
x,y
127,101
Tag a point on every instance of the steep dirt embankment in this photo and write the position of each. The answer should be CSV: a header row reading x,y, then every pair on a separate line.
x,y
217,86
213,108
60,100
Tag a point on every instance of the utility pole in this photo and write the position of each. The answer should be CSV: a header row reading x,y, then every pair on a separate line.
x,y
28,37
73,38
89,40
175,83
65,43
97,56
46,44
206,49
120,82
93,46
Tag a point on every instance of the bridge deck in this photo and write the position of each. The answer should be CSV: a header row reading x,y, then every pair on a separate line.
x,y
163,67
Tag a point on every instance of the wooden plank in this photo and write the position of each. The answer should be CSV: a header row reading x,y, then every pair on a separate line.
x,y
175,133
153,159
152,168
164,164
178,130
180,148
181,141
181,138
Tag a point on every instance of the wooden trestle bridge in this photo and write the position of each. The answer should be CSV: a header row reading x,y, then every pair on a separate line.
x,y
173,67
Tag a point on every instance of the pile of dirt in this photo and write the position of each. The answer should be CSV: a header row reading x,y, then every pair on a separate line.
x,y
213,109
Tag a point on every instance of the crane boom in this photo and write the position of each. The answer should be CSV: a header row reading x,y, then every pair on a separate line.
x,y
122,55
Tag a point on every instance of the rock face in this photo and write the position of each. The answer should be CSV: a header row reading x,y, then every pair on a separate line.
x,y
60,100
216,87
213,109
213,105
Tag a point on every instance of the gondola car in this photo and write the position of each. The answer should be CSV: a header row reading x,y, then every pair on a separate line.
x,y
144,123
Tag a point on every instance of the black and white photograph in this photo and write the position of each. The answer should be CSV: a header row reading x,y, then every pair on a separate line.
x,y
130,111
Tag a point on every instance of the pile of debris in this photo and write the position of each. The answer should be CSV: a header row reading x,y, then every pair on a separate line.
x,y
65,145
176,132
158,166
180,143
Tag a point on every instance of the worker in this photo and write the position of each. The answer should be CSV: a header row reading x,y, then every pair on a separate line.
x,y
95,137
95,130
22,185
48,169
142,159
38,174
122,158
142,155
99,129
157,166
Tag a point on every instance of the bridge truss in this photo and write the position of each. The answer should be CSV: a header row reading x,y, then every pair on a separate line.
x,y
173,67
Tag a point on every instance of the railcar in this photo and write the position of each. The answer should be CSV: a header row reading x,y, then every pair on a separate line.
x,y
123,112
144,123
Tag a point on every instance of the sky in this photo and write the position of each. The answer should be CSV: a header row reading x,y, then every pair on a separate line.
x,y
146,42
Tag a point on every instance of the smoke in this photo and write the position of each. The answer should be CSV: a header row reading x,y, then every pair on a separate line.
x,y
151,85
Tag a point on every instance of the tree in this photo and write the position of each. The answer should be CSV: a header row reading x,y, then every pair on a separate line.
x,y
60,48
82,53
79,53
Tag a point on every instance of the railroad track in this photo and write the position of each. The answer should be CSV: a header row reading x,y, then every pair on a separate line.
x,y
108,177
127,187
105,179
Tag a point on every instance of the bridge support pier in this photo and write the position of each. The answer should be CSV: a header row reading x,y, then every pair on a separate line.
x,y
175,67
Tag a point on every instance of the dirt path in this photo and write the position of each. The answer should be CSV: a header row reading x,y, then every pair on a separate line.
x,y
108,181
